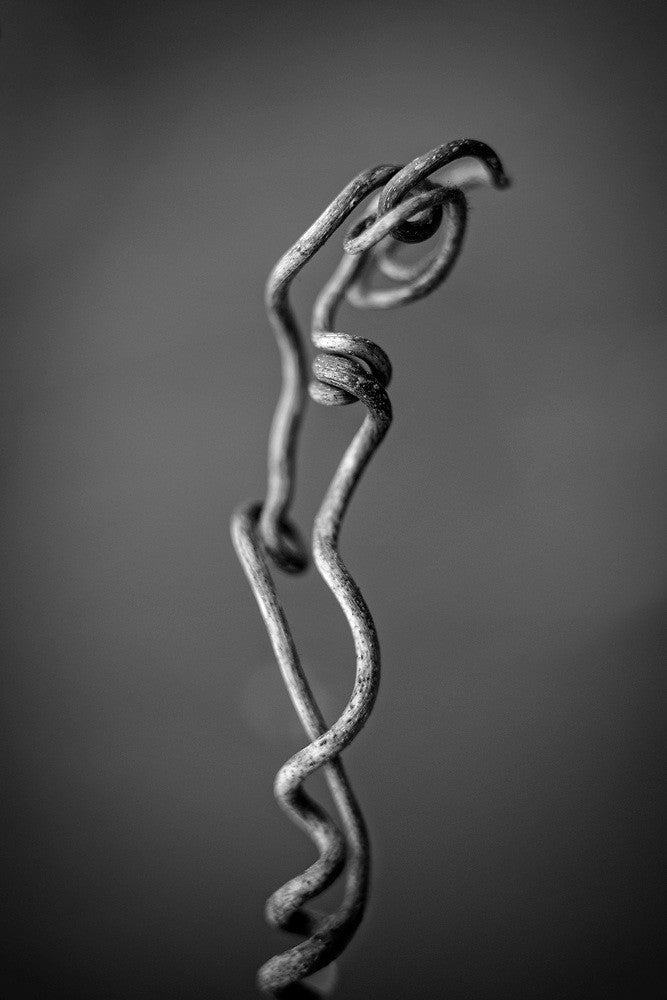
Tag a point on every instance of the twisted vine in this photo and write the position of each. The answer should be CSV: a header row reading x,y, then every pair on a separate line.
x,y
409,208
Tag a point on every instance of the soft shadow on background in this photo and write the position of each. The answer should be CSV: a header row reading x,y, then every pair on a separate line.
x,y
156,160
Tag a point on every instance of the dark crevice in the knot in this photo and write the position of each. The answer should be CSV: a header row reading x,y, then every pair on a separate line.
x,y
424,224
285,546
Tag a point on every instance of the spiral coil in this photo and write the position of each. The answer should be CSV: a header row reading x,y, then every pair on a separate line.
x,y
409,208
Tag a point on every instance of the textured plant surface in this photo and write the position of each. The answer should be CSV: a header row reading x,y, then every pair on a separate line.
x,y
409,208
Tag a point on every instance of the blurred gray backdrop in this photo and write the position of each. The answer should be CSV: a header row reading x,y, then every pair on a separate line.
x,y
157,158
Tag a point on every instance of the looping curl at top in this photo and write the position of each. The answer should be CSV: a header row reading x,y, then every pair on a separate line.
x,y
416,231
409,208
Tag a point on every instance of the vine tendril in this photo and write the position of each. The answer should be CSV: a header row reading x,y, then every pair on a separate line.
x,y
408,208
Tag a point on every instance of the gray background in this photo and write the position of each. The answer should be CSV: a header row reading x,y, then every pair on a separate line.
x,y
156,160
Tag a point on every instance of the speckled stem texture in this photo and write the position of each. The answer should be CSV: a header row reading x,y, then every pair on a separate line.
x,y
409,208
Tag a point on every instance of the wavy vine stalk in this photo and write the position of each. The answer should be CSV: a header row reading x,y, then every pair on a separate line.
x,y
410,208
